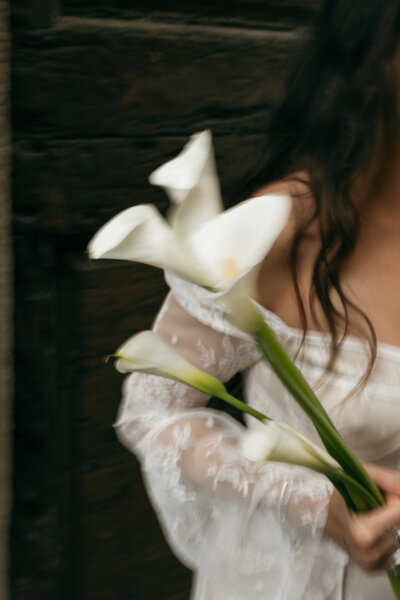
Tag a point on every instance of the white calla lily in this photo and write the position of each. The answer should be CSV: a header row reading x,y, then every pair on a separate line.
x,y
235,241
147,351
211,248
141,234
191,183
275,441
238,303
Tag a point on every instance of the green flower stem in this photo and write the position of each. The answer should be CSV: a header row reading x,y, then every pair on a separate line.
x,y
242,406
395,581
295,383
357,497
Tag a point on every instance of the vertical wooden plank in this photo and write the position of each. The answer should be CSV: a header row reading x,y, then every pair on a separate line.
x,y
5,300
37,476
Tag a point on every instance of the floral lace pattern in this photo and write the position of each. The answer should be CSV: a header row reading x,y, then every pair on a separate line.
x,y
249,532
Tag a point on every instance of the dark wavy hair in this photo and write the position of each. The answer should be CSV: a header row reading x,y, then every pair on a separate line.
x,y
334,122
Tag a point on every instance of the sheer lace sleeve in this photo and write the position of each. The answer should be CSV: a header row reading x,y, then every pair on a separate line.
x,y
253,532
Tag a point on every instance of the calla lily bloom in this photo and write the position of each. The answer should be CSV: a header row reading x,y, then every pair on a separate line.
x,y
279,442
149,352
191,182
200,243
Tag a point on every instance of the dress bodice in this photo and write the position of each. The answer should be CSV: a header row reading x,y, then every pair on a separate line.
x,y
367,416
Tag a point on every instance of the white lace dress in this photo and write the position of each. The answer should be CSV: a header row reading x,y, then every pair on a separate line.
x,y
250,532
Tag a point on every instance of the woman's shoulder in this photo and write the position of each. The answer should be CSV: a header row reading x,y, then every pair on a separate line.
x,y
296,185
284,186
275,285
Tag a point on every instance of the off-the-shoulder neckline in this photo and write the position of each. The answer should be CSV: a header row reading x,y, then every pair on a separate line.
x,y
350,342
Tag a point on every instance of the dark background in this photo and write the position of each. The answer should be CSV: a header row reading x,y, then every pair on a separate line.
x,y
104,91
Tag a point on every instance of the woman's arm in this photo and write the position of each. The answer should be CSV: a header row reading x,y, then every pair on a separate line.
x,y
249,529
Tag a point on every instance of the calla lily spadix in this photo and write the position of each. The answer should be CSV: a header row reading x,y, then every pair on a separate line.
x,y
201,244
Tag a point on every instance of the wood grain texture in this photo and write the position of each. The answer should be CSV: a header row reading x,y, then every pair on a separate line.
x,y
84,145
39,473
275,13
102,95
77,186
150,78
6,293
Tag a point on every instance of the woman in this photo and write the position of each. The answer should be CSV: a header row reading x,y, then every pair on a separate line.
x,y
330,289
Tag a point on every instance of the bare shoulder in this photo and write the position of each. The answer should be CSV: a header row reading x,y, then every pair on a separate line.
x,y
297,183
275,280
288,186
297,187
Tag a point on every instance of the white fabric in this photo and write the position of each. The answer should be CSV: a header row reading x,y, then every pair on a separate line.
x,y
250,532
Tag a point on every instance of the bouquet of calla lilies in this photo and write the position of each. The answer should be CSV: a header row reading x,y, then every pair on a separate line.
x,y
222,251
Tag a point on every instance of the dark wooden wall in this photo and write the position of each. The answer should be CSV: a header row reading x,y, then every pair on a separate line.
x,y
104,91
